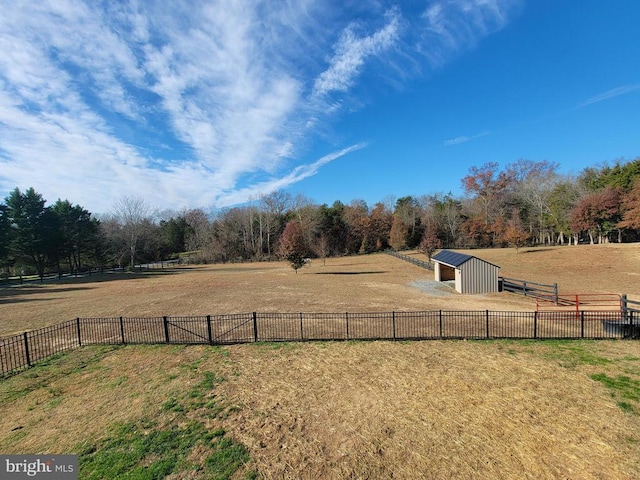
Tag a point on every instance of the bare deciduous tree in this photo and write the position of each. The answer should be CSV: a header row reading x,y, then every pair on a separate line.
x,y
199,229
133,214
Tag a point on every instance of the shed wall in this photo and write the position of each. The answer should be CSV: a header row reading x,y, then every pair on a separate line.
x,y
478,276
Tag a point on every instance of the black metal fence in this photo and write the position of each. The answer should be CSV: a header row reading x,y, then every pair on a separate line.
x,y
25,350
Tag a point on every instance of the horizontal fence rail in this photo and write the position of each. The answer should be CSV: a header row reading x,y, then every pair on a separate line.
x,y
581,301
23,351
86,272
548,292
410,259
629,305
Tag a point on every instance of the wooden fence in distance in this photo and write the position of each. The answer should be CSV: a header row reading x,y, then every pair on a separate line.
x,y
529,289
410,259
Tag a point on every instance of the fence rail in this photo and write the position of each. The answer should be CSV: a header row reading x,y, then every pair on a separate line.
x,y
581,301
407,258
85,272
629,305
25,350
530,289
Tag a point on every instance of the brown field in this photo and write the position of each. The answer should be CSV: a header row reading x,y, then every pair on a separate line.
x,y
349,284
344,410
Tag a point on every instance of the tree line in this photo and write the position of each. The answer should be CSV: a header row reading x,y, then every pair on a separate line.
x,y
525,203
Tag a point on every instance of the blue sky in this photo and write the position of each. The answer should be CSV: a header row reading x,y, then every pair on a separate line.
x,y
211,104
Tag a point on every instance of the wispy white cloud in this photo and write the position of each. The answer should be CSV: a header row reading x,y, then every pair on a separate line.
x,y
297,174
463,139
182,103
614,92
451,26
352,51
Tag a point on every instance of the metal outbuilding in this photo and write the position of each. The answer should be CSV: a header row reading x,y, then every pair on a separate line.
x,y
471,274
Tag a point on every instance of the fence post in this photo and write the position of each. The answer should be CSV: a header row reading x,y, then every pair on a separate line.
x,y
623,305
535,325
346,318
555,292
487,319
122,331
440,315
166,329
393,322
209,330
26,348
78,329
581,323
301,328
255,327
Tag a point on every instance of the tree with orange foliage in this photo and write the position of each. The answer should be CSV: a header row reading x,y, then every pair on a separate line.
x,y
515,234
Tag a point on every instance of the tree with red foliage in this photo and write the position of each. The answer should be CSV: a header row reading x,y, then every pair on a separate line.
x,y
430,243
597,213
631,208
293,246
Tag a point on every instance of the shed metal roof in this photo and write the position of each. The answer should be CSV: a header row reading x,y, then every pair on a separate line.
x,y
454,259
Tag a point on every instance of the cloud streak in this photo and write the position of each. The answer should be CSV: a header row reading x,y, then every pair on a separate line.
x,y
463,139
203,104
614,92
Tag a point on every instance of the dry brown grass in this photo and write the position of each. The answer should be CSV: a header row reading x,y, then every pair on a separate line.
x,y
607,268
433,409
426,410
350,284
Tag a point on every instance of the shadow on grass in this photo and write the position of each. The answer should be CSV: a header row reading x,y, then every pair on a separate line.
x,y
21,292
352,273
537,251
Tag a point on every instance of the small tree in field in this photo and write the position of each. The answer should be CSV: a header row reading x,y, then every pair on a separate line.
x,y
293,246
429,244
322,248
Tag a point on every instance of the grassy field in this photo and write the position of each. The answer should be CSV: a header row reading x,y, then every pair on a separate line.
x,y
349,284
483,410
456,409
